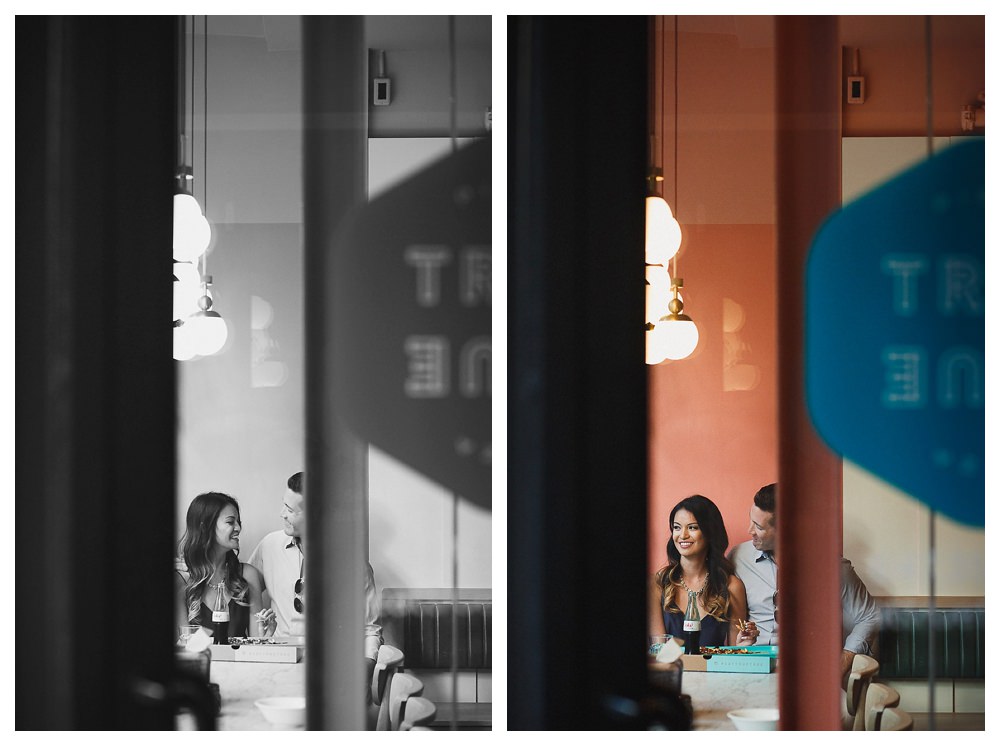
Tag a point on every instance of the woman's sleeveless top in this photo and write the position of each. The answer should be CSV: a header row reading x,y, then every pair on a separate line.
x,y
713,632
239,616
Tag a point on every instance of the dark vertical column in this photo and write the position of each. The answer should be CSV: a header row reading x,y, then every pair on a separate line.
x,y
576,498
809,474
334,70
95,457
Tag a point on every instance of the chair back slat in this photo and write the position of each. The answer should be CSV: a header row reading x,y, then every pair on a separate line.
x,y
877,698
894,718
403,687
389,660
419,712
863,670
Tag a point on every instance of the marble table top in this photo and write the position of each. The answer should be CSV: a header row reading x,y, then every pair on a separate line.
x,y
713,694
242,683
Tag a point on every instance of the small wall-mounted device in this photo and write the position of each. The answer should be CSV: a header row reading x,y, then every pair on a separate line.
x,y
488,121
855,89
856,81
381,85
381,91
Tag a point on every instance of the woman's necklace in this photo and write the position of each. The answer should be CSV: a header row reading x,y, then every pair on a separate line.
x,y
222,581
700,590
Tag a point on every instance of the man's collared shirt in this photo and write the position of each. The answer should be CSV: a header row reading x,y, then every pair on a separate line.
x,y
861,616
280,561
759,573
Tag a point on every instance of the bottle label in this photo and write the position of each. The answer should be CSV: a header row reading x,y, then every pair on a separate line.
x,y
691,625
220,616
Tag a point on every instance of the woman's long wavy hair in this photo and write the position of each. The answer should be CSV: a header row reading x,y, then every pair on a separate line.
x,y
196,546
716,594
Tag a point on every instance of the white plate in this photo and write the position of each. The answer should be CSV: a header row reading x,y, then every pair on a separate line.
x,y
755,718
290,711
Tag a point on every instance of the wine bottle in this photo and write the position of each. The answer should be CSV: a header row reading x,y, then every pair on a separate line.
x,y
692,626
220,617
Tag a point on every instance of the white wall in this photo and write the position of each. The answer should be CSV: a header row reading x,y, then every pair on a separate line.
x,y
887,537
886,531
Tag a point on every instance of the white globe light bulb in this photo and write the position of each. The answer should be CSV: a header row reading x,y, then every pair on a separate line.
x,y
656,351
663,232
658,293
210,332
192,232
680,337
183,343
186,297
187,273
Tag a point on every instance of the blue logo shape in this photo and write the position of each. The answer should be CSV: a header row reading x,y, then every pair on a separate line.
x,y
895,332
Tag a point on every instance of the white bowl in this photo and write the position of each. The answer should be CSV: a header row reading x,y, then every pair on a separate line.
x,y
755,718
289,711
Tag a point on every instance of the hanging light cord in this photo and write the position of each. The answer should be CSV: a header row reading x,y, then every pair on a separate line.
x,y
190,137
656,185
204,158
677,126
204,140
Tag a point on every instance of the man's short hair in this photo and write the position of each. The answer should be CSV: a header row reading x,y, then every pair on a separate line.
x,y
295,483
764,499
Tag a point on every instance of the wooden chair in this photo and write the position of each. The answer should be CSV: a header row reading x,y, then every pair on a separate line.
x,y
419,712
877,699
863,670
389,660
894,718
404,686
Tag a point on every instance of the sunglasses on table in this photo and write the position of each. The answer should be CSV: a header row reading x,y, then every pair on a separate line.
x,y
298,604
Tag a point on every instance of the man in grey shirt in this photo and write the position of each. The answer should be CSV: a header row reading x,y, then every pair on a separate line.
x,y
757,566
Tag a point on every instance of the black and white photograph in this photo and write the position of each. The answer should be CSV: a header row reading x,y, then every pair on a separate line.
x,y
741,273
282,495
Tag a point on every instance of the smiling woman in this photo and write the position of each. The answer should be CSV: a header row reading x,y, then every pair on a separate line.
x,y
215,589
697,571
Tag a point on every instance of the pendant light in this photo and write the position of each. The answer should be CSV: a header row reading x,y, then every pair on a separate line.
x,y
187,290
673,336
663,239
663,232
192,233
206,326
678,335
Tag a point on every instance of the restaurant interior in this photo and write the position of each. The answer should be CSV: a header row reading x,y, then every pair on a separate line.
x,y
741,124
756,131
327,185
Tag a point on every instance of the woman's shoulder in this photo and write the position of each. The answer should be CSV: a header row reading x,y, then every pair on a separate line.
x,y
250,573
735,584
